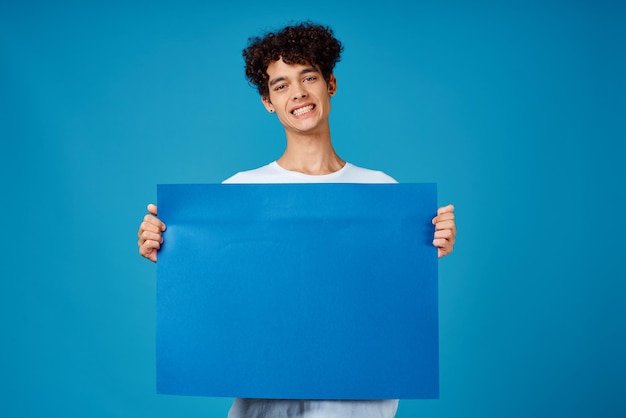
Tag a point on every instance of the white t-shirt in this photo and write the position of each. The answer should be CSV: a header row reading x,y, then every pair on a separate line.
x,y
290,408
273,173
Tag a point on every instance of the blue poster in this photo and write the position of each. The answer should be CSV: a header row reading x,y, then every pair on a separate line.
x,y
298,291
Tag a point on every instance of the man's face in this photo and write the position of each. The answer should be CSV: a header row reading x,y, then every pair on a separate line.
x,y
300,96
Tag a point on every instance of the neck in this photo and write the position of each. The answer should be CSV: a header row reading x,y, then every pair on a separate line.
x,y
310,154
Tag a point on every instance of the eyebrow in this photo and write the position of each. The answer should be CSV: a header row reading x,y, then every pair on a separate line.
x,y
304,71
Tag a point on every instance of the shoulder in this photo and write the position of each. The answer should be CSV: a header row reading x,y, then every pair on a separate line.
x,y
358,174
264,174
273,173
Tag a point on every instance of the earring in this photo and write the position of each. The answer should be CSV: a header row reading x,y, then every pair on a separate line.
x,y
271,110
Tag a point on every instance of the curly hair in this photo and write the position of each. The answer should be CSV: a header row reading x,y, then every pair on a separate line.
x,y
305,43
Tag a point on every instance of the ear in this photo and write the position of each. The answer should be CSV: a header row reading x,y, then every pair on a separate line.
x,y
268,104
332,85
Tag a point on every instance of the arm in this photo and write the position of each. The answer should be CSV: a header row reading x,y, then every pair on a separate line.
x,y
150,234
445,230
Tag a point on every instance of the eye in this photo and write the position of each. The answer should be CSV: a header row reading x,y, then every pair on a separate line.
x,y
280,87
311,78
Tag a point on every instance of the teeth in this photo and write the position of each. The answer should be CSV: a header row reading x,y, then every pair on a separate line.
x,y
302,110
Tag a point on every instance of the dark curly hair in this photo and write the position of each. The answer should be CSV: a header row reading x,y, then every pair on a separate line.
x,y
305,43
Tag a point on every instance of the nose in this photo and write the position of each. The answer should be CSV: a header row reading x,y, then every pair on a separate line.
x,y
298,92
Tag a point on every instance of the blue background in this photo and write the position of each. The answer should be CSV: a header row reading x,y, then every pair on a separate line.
x,y
516,110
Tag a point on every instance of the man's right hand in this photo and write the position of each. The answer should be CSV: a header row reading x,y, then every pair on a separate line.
x,y
150,234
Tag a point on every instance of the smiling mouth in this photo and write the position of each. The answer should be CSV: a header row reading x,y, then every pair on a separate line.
x,y
301,110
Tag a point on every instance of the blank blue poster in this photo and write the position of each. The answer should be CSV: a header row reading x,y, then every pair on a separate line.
x,y
298,291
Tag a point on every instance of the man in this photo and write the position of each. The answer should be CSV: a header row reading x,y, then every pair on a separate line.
x,y
293,71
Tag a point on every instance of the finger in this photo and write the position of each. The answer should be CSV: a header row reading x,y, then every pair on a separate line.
x,y
445,209
443,245
151,219
152,208
152,255
447,235
146,250
444,234
147,236
446,216
445,225
148,247
148,227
